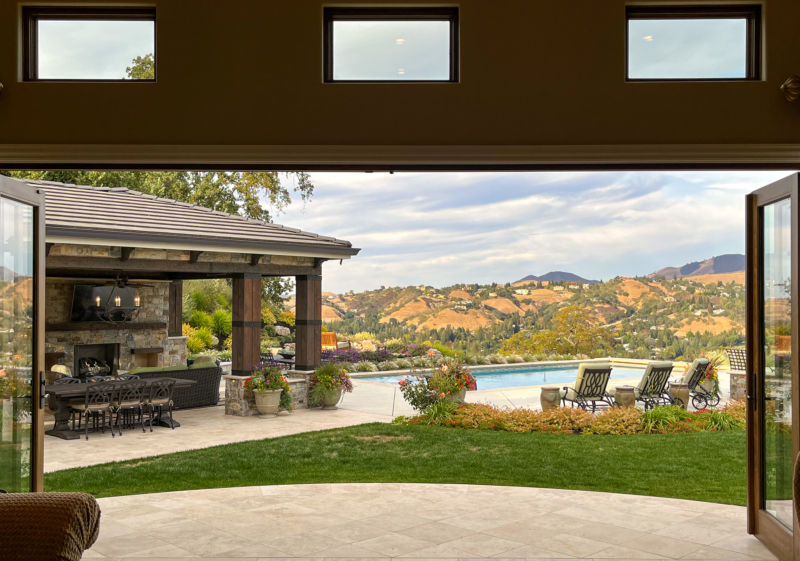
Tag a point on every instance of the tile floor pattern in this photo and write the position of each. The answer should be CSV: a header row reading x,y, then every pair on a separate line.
x,y
362,522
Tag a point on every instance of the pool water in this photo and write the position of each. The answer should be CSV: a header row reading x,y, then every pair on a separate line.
x,y
523,376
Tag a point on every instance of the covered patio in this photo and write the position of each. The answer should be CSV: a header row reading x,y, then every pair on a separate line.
x,y
101,236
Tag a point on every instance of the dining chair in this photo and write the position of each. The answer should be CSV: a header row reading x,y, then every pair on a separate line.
x,y
160,397
130,399
96,403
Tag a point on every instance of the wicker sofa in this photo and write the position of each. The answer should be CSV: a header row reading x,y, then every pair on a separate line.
x,y
205,392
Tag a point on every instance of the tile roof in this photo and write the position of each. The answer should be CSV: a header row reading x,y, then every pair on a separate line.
x,y
125,216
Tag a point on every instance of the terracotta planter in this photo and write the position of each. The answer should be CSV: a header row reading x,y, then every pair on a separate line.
x,y
708,385
550,398
331,399
268,403
458,397
680,392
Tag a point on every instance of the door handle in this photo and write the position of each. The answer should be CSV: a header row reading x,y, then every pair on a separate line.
x,y
42,395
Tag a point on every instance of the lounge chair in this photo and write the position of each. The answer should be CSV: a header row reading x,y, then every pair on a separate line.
x,y
590,387
653,388
701,398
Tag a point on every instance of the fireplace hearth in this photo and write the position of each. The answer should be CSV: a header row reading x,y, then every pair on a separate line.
x,y
106,356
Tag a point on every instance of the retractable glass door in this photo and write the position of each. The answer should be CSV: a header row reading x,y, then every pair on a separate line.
x,y
21,337
772,363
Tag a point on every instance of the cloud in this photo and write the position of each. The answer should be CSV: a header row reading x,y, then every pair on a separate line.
x,y
446,228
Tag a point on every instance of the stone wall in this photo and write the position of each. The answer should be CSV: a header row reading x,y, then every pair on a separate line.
x,y
155,308
738,386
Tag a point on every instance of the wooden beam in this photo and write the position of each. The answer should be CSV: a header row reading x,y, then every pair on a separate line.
x,y
194,256
175,322
56,266
103,326
125,253
47,248
246,347
308,322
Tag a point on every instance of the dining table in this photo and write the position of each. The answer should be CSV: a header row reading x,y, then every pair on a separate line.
x,y
60,395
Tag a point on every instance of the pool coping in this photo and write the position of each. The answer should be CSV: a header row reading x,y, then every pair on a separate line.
x,y
545,363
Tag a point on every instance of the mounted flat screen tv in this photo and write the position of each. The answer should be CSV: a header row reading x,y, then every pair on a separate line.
x,y
88,300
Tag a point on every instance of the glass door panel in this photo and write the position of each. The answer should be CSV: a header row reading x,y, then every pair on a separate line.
x,y
776,337
17,344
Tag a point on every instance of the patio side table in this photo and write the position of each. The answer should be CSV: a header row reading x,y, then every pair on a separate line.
x,y
625,396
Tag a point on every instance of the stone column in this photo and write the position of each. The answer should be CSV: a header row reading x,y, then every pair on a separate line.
x,y
175,325
246,323
308,323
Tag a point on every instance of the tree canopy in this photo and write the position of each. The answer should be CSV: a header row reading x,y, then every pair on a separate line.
x,y
573,332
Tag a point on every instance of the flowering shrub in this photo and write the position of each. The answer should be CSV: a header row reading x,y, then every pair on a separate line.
x,y
269,378
446,380
353,355
13,384
566,420
328,378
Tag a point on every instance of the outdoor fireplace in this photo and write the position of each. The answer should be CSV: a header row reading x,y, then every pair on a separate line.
x,y
106,356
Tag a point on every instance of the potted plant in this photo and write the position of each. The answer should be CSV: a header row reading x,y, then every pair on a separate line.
x,y
330,381
451,380
271,391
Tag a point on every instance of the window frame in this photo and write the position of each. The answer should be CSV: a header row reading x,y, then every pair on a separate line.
x,y
32,15
331,15
754,49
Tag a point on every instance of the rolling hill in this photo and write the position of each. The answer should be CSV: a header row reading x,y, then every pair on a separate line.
x,y
556,276
722,264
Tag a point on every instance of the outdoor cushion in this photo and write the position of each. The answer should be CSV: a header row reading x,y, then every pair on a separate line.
x,y
145,369
47,526
61,368
646,376
174,368
690,371
206,358
196,366
92,406
571,395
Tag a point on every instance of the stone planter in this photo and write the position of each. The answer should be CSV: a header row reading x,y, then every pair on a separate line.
x,y
708,385
268,403
738,386
550,398
458,397
625,396
331,399
680,392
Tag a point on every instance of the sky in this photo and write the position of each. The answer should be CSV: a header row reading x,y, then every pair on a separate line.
x,y
404,50
440,229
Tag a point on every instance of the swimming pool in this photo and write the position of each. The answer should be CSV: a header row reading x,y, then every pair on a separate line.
x,y
521,377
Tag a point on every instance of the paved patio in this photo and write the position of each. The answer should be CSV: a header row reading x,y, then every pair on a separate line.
x,y
383,521
200,428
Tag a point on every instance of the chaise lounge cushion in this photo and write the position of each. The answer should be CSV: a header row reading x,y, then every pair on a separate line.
x,y
691,370
571,395
47,526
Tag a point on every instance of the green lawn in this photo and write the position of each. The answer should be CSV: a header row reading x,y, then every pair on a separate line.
x,y
707,466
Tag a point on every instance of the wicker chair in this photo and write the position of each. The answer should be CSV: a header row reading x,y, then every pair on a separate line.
x,y
47,526
590,388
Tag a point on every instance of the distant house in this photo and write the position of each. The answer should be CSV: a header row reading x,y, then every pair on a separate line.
x,y
725,295
493,295
670,299
558,289
522,291
719,311
573,287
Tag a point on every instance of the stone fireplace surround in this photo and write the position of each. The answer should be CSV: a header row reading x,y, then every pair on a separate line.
x,y
155,308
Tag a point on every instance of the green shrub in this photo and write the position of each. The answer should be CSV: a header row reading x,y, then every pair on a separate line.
x,y
497,359
670,419
200,319
721,420
617,420
471,360
388,365
222,323
366,367
528,358
204,334
514,359
404,363
195,345
445,350
482,360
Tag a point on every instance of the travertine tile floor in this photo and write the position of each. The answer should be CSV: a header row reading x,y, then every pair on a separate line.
x,y
200,428
415,521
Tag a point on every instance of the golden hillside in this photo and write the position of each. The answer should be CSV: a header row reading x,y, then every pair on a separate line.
x,y
469,320
503,305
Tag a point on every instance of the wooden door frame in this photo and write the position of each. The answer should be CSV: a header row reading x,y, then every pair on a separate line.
x,y
783,543
23,193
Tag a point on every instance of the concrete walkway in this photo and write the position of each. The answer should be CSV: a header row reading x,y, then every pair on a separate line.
x,y
416,521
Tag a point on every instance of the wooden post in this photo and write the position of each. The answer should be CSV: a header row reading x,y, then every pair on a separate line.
x,y
246,323
175,325
308,323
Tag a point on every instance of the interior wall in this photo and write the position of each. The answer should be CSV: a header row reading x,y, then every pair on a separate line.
x,y
533,73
